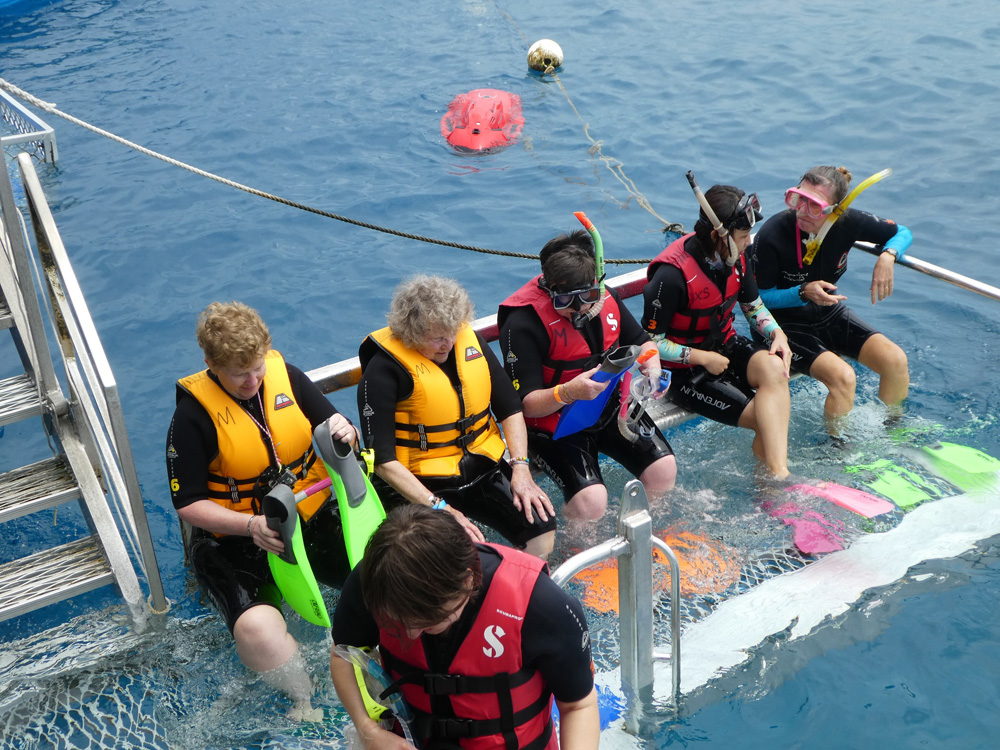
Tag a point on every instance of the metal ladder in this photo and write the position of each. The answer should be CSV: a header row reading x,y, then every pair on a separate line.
x,y
93,463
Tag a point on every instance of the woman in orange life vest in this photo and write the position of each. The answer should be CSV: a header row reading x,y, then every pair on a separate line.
x,y
693,286
241,426
480,638
430,397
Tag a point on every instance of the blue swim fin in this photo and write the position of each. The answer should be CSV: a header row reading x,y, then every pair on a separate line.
x,y
291,569
361,511
580,415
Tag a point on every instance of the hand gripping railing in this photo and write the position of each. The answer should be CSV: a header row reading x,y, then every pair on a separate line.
x,y
633,548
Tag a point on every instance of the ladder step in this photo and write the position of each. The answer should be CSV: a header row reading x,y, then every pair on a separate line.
x,y
35,487
51,576
19,399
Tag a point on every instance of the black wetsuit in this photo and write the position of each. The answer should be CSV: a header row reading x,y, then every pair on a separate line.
x,y
722,397
813,329
482,489
232,570
572,461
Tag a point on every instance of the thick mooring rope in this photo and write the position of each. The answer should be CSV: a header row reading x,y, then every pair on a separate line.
x,y
52,109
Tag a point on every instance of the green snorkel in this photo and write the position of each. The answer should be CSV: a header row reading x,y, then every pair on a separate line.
x,y
580,319
598,245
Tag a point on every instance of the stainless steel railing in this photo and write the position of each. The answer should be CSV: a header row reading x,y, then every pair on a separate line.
x,y
93,388
633,549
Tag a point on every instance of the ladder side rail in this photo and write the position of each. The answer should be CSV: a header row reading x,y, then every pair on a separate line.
x,y
99,516
23,302
79,334
105,455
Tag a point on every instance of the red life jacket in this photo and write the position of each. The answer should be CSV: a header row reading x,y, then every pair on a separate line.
x,y
707,321
568,353
487,698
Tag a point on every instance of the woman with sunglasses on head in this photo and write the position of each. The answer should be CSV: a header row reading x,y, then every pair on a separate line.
x,y
694,284
554,333
799,255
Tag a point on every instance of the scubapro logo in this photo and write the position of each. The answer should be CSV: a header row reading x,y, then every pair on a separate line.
x,y
493,634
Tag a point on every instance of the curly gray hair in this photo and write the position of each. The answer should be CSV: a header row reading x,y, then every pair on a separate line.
x,y
424,304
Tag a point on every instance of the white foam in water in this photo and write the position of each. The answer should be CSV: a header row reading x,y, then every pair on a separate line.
x,y
796,602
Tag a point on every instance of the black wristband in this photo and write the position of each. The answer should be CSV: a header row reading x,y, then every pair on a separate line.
x,y
802,293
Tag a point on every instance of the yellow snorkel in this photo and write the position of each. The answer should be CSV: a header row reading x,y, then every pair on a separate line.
x,y
812,245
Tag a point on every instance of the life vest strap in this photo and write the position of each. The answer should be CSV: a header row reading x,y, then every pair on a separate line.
x,y
462,440
451,728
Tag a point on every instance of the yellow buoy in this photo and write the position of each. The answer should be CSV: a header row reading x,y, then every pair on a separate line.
x,y
545,56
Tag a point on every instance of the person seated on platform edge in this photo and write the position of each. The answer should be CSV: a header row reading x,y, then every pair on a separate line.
x,y
479,636
554,332
430,387
688,308
239,428
798,256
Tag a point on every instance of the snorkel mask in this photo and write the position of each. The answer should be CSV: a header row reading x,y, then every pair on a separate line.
x,y
592,295
745,217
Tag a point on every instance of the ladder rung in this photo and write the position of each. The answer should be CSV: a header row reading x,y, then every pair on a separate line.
x,y
36,487
51,576
19,399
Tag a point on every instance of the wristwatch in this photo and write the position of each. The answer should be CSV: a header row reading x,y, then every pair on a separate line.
x,y
892,251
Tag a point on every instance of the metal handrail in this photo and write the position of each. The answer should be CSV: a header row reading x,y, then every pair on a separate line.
x,y
937,272
80,344
633,548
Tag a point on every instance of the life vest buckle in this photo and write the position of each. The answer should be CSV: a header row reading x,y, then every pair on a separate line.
x,y
453,729
444,684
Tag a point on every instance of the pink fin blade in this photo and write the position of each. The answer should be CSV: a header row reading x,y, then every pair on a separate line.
x,y
853,500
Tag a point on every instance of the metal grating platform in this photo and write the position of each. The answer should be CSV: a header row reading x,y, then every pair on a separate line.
x,y
18,399
36,487
51,576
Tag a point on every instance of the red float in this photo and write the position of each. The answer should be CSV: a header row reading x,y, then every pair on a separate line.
x,y
483,121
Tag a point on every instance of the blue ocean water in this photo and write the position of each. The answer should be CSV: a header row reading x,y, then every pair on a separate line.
x,y
337,105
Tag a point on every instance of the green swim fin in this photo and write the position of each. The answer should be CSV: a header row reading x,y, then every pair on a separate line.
x,y
965,467
361,511
905,488
291,569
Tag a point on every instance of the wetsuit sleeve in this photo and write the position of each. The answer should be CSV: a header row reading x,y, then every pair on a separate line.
x,y
523,345
748,287
759,318
764,256
866,227
665,293
383,383
353,624
779,299
309,397
900,242
192,443
556,641
504,400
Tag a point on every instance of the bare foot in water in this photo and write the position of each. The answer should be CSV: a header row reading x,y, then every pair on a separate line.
x,y
304,711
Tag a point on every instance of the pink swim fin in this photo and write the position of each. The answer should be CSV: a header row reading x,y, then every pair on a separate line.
x,y
853,500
